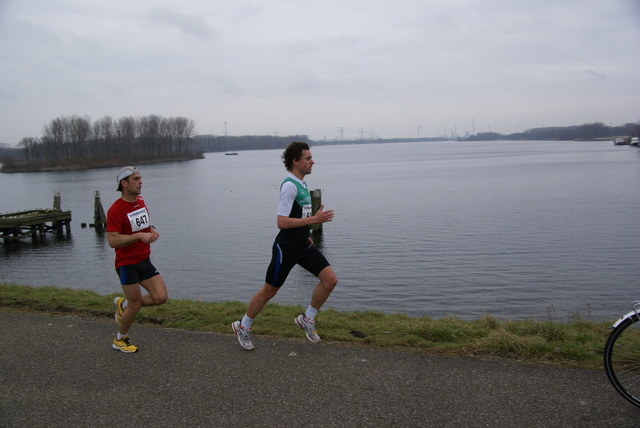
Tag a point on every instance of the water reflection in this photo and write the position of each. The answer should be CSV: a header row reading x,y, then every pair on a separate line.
x,y
50,240
318,240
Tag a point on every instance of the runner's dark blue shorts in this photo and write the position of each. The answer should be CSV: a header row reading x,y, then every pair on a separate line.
x,y
133,274
284,257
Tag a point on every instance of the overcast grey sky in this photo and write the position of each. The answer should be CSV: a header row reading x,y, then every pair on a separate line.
x,y
377,68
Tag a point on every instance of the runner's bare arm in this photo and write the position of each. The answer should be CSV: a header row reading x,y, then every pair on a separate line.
x,y
319,217
118,240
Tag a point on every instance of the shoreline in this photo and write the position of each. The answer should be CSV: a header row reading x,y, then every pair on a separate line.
x,y
97,165
578,344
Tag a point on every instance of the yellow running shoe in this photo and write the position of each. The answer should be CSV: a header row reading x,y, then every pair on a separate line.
x,y
123,345
117,302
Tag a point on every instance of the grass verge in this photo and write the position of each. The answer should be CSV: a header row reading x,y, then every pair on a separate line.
x,y
575,344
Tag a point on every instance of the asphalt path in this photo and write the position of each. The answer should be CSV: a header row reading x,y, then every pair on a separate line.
x,y
60,371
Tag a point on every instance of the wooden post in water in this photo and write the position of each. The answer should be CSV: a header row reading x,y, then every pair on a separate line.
x,y
57,225
99,218
61,224
56,200
316,202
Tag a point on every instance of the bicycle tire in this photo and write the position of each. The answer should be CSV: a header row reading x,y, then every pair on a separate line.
x,y
622,359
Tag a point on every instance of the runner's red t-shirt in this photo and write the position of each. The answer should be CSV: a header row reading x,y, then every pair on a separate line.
x,y
128,218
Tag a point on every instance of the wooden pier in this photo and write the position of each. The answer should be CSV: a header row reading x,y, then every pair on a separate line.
x,y
34,223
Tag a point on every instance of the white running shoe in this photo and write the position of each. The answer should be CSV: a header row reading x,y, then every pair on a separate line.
x,y
244,336
309,328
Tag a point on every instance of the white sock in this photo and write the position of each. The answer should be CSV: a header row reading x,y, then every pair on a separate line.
x,y
246,322
311,312
125,304
119,336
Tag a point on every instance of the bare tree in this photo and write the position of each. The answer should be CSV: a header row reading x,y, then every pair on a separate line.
x,y
183,130
53,139
126,131
79,133
31,148
104,136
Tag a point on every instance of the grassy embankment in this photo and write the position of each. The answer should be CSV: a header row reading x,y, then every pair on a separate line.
x,y
578,343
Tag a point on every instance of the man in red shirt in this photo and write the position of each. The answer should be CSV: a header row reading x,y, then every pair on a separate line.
x,y
130,233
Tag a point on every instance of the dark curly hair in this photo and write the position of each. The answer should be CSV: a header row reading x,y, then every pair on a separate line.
x,y
293,152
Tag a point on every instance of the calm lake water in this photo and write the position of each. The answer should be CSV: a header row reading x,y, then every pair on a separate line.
x,y
542,230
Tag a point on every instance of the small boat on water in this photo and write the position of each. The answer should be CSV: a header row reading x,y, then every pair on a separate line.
x,y
620,142
635,141
231,153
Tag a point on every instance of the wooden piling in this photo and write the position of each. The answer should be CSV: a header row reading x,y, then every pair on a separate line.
x,y
56,200
99,218
316,202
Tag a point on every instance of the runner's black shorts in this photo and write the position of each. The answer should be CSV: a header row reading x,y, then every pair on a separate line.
x,y
133,274
284,257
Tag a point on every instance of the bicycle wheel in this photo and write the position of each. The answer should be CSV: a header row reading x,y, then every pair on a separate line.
x,y
622,359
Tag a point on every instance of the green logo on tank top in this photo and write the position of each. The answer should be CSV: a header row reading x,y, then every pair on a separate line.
x,y
303,198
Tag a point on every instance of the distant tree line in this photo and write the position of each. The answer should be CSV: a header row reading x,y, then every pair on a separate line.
x,y
76,142
588,131
221,143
